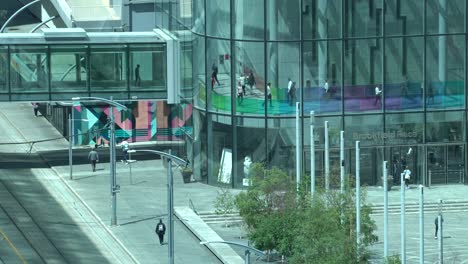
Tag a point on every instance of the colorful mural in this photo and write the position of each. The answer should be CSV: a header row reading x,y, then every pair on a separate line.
x,y
145,121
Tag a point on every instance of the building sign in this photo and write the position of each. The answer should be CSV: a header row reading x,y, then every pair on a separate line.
x,y
400,134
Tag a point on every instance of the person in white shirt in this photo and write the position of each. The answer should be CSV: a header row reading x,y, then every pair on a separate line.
x,y
378,95
325,86
268,92
240,93
407,176
290,83
242,83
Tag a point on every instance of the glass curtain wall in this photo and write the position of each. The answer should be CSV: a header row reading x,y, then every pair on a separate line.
x,y
384,71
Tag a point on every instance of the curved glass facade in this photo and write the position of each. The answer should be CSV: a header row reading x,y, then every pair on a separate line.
x,y
391,74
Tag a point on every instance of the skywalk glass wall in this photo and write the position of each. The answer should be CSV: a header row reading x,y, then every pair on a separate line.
x,y
390,73
57,71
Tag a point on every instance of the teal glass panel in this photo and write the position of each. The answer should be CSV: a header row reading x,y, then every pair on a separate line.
x,y
321,19
108,68
148,67
68,68
3,69
403,74
218,22
199,75
445,126
404,17
28,69
363,18
403,128
283,20
249,19
220,90
445,72
445,16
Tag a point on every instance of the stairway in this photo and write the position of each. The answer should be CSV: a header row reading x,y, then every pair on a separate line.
x,y
213,218
413,208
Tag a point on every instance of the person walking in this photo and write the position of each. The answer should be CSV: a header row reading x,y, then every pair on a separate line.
x,y
137,76
290,83
35,108
214,75
292,94
268,97
251,82
93,156
125,147
160,231
378,95
407,174
240,93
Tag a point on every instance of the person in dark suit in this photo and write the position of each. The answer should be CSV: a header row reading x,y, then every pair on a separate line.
x,y
137,76
160,231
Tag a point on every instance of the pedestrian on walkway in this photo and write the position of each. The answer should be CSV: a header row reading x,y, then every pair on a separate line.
x,y
137,76
160,231
407,174
268,97
436,222
93,156
125,147
378,95
35,108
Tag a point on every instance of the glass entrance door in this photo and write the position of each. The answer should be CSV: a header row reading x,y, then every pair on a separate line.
x,y
445,164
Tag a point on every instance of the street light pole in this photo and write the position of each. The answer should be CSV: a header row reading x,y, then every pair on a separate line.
x,y
114,188
170,194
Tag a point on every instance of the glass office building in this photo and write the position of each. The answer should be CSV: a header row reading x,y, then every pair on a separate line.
x,y
389,73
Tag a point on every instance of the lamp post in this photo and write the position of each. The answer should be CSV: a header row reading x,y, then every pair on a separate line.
x,y
247,248
71,141
170,194
113,179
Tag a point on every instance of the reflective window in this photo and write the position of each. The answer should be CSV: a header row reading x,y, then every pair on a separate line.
x,y
29,69
68,68
218,73
284,75
283,19
403,73
198,16
3,69
363,18
367,129
249,19
218,18
403,128
445,127
445,16
199,76
281,142
250,83
404,17
147,67
185,66
321,19
250,145
445,71
108,68
363,75
220,149
322,76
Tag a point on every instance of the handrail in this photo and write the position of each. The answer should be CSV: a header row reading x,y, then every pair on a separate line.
x,y
192,206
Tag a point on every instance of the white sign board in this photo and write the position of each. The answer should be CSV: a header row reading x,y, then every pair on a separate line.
x,y
225,166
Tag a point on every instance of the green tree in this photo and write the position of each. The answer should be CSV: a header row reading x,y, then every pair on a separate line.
x,y
321,230
224,203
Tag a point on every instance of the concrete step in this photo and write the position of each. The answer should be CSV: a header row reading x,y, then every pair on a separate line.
x,y
412,208
213,218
